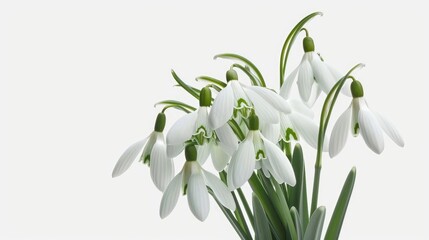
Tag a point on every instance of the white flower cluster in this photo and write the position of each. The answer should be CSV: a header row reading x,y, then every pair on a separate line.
x,y
241,129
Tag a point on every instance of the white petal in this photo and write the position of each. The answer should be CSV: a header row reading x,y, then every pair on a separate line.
x,y
271,132
307,129
323,76
270,97
219,157
128,157
222,108
390,129
356,102
371,130
171,195
315,93
203,121
161,167
339,133
174,150
279,162
285,125
300,107
203,152
145,157
198,197
266,113
305,80
220,190
267,165
287,84
181,131
242,162
228,139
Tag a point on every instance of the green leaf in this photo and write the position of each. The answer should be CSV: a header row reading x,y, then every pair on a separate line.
x,y
185,86
334,227
175,103
211,80
275,193
245,61
298,193
267,204
230,217
262,226
315,227
252,77
297,220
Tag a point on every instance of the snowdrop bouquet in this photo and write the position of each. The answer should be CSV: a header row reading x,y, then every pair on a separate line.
x,y
251,133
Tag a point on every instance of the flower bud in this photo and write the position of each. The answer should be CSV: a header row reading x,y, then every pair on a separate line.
x,y
191,152
308,44
205,97
356,89
231,74
160,122
253,122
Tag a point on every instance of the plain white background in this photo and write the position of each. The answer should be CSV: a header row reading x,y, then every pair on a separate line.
x,y
78,80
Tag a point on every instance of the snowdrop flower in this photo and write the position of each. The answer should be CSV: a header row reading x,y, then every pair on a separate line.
x,y
194,126
299,123
193,182
238,100
257,151
313,75
360,119
154,154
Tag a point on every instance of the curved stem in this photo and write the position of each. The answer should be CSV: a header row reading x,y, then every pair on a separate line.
x,y
324,120
244,60
289,41
306,31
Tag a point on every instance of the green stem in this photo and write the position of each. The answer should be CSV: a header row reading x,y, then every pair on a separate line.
x,y
240,216
289,41
328,105
316,182
231,219
246,206
245,61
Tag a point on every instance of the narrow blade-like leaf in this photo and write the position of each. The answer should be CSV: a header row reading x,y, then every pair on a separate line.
x,y
315,226
262,226
337,219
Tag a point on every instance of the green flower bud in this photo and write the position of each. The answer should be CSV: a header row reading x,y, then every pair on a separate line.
x,y
308,44
160,122
205,97
191,153
356,89
231,74
253,122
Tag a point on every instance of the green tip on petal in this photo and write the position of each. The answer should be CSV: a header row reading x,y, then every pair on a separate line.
x,y
205,97
191,153
308,44
356,89
231,74
253,122
160,122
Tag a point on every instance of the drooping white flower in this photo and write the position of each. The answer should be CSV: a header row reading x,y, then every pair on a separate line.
x,y
193,181
153,152
361,120
194,126
256,151
313,76
238,100
299,123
